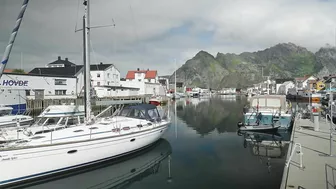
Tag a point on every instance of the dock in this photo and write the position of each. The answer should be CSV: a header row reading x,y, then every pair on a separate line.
x,y
39,104
317,168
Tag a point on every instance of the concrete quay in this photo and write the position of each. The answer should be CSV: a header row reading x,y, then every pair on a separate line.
x,y
317,170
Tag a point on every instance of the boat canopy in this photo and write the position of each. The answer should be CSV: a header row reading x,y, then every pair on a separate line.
x,y
63,111
141,111
269,101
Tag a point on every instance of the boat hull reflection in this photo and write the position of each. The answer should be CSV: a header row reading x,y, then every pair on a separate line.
x,y
118,173
266,146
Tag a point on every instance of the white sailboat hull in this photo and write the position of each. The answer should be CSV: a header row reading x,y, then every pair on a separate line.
x,y
24,164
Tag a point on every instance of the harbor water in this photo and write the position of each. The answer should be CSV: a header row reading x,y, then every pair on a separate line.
x,y
201,149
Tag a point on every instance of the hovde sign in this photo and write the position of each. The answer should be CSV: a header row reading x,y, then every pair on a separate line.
x,y
13,82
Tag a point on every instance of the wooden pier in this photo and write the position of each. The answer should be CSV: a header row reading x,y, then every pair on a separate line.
x,y
309,162
41,104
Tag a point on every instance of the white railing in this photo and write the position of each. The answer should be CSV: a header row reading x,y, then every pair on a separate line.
x,y
331,124
299,152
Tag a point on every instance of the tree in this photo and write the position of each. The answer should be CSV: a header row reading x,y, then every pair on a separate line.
x,y
20,71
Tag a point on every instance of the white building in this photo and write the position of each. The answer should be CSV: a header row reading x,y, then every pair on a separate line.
x,y
148,76
115,91
228,91
146,80
102,75
302,82
283,88
105,75
38,86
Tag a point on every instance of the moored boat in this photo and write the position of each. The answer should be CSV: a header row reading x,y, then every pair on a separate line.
x,y
7,119
268,111
117,174
158,100
72,147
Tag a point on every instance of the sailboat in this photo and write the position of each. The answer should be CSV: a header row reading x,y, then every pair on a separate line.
x,y
49,151
115,174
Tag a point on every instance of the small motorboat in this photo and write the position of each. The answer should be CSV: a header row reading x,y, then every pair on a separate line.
x,y
261,127
260,123
158,100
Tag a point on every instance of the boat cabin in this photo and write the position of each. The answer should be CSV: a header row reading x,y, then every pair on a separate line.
x,y
61,115
142,111
269,103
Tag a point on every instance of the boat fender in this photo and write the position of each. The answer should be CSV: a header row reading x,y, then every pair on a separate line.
x,y
240,124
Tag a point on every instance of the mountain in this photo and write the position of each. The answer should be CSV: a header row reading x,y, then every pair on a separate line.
x,y
285,60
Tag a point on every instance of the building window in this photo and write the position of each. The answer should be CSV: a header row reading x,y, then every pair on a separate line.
x,y
98,83
60,92
27,92
98,74
139,79
60,81
108,83
108,75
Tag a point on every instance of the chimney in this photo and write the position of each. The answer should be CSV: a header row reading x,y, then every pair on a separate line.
x,y
138,69
59,57
66,59
147,69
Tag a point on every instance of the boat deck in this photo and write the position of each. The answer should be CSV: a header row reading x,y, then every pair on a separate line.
x,y
319,169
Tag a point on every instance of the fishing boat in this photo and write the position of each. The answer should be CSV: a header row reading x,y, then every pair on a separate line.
x,y
267,112
116,174
49,151
7,119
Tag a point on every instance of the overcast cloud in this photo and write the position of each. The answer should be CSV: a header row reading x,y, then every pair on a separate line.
x,y
152,33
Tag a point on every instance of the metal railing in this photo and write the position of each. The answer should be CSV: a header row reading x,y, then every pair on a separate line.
x,y
331,123
300,154
330,183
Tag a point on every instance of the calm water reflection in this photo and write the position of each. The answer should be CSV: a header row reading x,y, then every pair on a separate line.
x,y
203,150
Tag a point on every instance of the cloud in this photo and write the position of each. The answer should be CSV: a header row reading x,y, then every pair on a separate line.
x,y
152,34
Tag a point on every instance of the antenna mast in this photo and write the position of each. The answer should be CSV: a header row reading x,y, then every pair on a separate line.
x,y
87,85
8,50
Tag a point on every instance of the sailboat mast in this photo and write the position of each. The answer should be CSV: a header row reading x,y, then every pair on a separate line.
x,y
87,81
175,80
8,50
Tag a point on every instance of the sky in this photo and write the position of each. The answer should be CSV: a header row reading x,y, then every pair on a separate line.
x,y
152,34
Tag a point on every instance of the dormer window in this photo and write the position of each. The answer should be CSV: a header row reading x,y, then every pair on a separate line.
x,y
98,75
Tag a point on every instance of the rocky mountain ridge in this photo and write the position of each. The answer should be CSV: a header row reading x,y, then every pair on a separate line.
x,y
284,60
